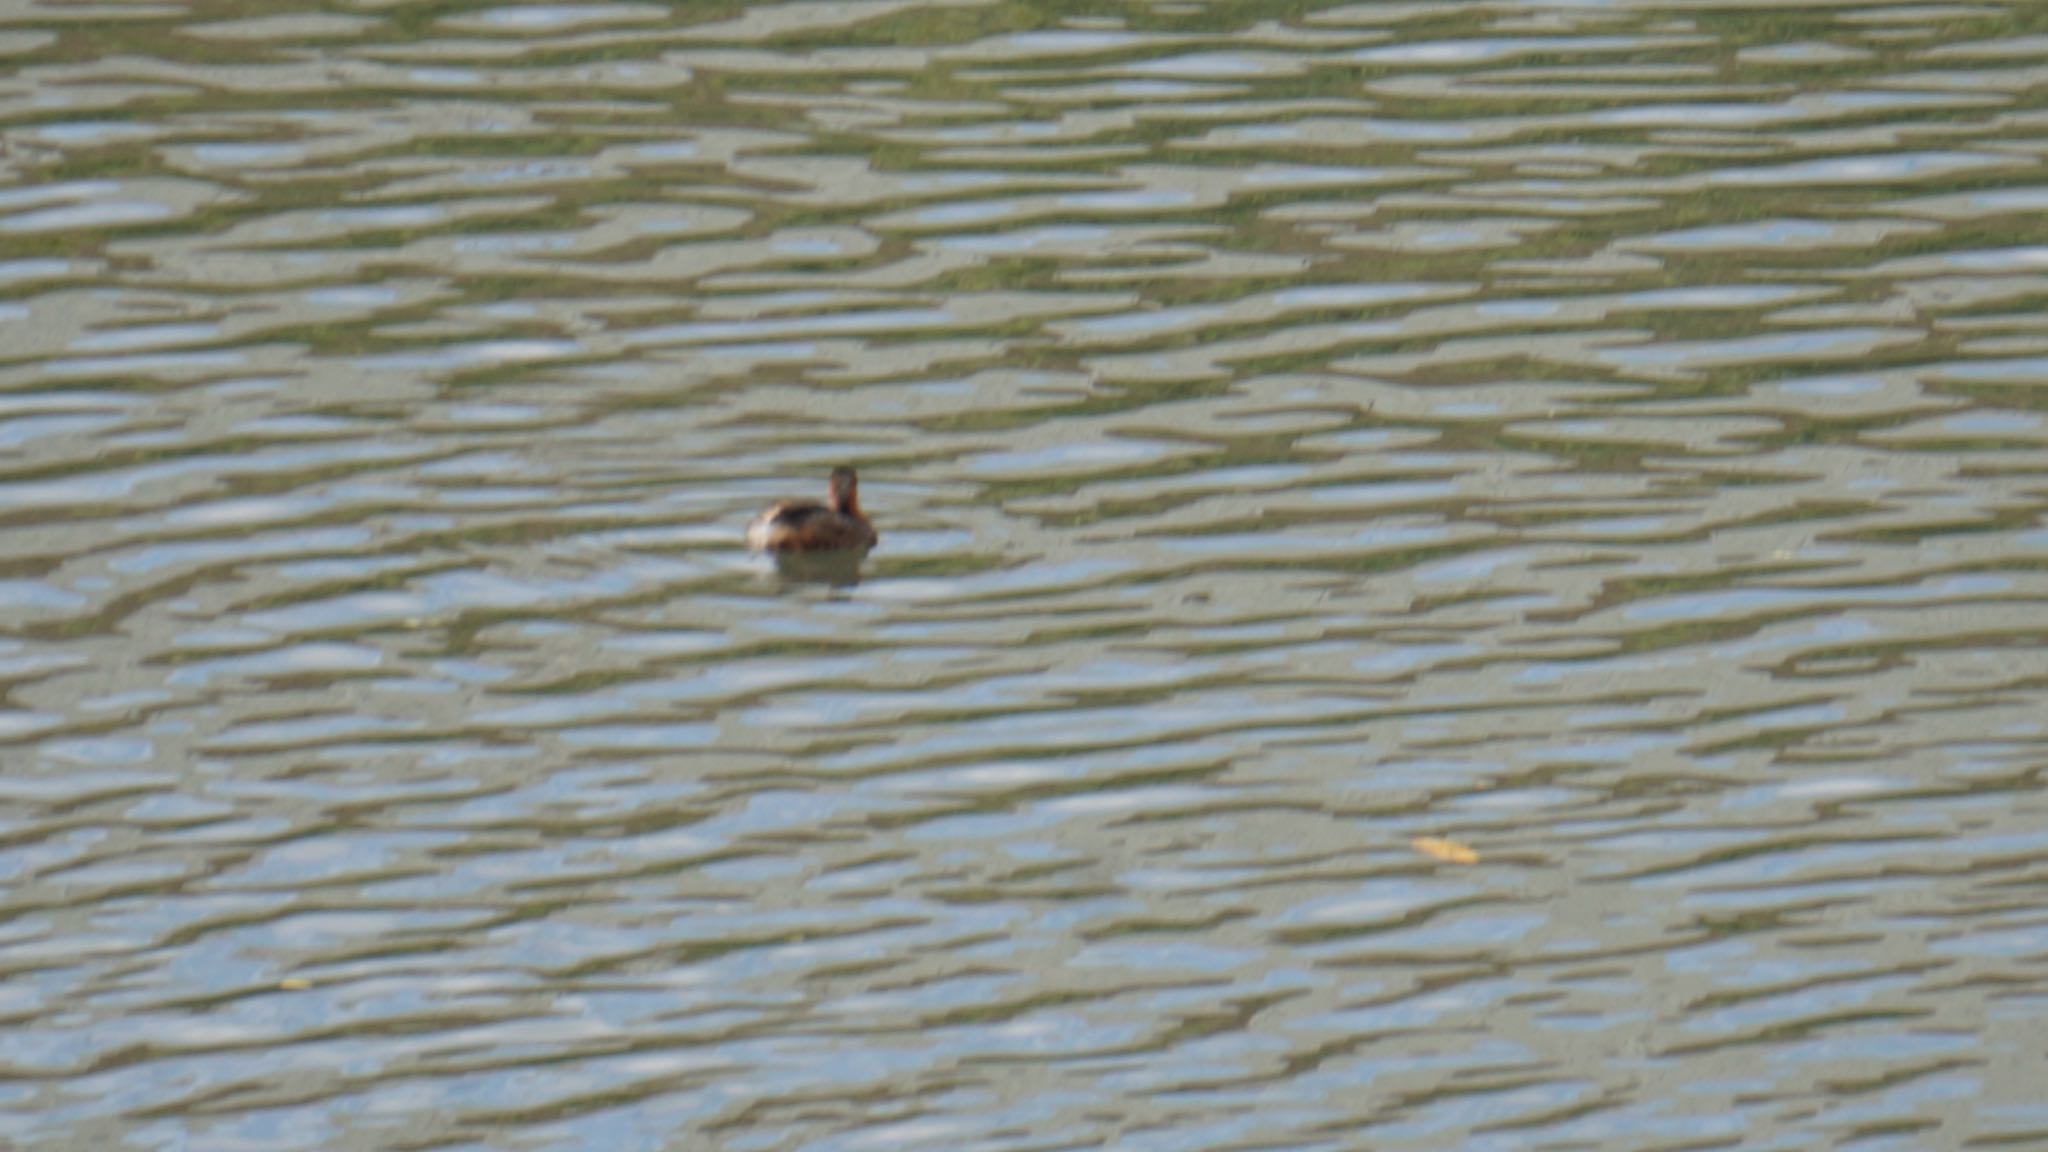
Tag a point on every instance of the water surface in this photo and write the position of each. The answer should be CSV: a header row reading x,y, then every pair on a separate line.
x,y
1607,436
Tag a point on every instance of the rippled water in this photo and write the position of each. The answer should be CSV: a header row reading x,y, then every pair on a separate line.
x,y
1610,436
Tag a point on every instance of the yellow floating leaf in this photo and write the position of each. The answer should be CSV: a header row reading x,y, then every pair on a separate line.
x,y
295,984
1448,851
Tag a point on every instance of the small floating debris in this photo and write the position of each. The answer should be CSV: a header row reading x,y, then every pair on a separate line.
x,y
295,984
1448,851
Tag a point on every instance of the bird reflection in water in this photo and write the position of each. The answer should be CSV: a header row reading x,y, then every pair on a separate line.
x,y
833,569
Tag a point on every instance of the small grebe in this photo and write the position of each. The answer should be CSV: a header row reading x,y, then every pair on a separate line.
x,y
808,526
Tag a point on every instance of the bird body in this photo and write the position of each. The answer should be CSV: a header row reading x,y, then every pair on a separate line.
x,y
808,526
